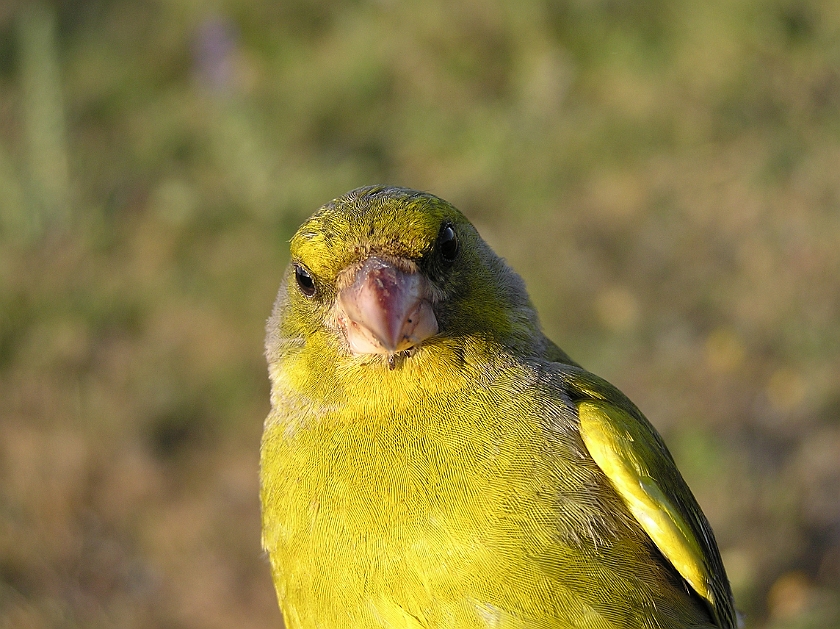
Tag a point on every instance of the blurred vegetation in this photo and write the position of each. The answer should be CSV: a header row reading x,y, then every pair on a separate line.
x,y
663,174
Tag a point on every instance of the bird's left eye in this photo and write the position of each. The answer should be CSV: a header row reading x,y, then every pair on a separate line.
x,y
448,243
304,281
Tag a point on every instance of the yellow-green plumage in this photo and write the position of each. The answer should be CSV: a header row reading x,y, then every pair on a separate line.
x,y
450,486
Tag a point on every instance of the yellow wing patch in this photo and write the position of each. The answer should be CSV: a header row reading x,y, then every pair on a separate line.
x,y
608,433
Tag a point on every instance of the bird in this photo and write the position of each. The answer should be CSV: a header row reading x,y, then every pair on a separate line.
x,y
432,460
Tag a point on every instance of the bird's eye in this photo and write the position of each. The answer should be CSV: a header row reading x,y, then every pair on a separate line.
x,y
448,243
304,281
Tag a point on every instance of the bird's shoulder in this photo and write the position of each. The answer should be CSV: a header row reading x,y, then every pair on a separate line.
x,y
633,456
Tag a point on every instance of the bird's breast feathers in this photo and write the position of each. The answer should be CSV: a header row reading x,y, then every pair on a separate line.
x,y
418,494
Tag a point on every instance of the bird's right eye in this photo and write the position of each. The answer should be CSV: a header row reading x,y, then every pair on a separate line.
x,y
304,281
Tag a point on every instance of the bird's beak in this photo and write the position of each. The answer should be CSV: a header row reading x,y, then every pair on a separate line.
x,y
385,310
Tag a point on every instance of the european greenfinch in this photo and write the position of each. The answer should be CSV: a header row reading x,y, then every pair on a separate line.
x,y
432,460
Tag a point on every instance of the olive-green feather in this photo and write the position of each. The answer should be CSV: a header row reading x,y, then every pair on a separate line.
x,y
640,468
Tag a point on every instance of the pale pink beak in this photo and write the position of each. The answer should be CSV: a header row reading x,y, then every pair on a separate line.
x,y
385,310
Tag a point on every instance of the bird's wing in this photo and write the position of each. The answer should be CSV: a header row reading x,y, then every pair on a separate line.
x,y
634,458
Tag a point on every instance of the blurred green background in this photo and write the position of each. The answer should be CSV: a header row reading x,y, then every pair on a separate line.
x,y
665,175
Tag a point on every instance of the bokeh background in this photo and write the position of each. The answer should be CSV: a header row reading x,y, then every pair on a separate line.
x,y
664,174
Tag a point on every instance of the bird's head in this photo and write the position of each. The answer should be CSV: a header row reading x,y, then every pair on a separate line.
x,y
385,272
